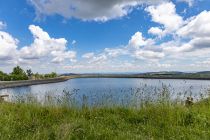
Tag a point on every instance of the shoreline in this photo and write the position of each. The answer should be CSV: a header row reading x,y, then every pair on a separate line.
x,y
136,76
12,84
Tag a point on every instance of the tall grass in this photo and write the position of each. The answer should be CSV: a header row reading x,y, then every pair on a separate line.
x,y
63,117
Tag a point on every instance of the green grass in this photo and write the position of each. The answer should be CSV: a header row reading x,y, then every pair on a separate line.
x,y
160,121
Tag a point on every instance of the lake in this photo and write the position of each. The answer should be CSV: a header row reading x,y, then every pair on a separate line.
x,y
114,91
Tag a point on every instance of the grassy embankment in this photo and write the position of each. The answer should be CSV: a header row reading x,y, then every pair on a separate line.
x,y
159,121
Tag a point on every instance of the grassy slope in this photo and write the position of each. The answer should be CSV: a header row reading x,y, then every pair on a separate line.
x,y
22,121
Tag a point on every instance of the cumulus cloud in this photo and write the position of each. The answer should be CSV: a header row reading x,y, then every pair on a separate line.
x,y
193,35
156,31
105,55
8,46
137,40
115,52
197,26
146,54
137,48
88,55
164,14
60,56
45,46
140,48
92,58
98,10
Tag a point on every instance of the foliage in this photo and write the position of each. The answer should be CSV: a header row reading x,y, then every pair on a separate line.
x,y
51,75
19,74
29,72
45,76
4,76
18,71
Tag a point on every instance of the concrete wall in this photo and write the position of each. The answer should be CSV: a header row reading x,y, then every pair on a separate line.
x,y
11,84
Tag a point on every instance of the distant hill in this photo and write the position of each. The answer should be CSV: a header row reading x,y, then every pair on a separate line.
x,y
68,74
163,73
205,75
203,72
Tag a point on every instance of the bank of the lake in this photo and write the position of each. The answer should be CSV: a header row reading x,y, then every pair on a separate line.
x,y
12,84
158,121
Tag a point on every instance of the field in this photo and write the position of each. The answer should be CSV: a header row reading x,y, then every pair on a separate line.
x,y
153,121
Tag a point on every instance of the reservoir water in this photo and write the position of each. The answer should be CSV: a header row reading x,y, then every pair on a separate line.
x,y
96,91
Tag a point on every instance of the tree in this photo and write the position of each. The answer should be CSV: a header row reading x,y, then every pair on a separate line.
x,y
51,75
17,71
18,74
29,72
4,76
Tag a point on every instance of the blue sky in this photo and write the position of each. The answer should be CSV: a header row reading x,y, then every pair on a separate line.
x,y
105,36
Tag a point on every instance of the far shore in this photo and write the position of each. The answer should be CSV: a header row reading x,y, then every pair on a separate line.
x,y
138,76
12,84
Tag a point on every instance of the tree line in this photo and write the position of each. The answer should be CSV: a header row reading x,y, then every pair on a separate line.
x,y
19,74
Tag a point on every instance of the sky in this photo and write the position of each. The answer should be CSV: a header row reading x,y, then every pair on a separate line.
x,y
103,36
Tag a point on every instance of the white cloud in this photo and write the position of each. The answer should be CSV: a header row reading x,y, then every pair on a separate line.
x,y
8,46
106,55
136,48
205,62
172,47
60,56
100,59
3,25
92,58
45,46
148,55
165,14
88,55
142,48
197,26
191,35
196,34
98,10
44,50
138,41
115,52
156,31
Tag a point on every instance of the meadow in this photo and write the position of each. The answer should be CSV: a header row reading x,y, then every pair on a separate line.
x,y
26,118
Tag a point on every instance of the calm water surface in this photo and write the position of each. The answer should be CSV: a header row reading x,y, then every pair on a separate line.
x,y
115,90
